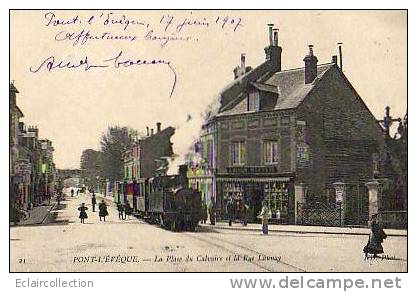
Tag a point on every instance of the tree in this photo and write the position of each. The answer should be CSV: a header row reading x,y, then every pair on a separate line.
x,y
114,143
91,167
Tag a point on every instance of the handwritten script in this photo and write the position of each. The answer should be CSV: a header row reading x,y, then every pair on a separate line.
x,y
137,30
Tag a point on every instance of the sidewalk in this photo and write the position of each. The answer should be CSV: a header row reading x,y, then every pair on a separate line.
x,y
285,228
37,215
99,197
304,229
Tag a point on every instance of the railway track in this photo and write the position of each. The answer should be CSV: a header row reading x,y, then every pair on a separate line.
x,y
238,249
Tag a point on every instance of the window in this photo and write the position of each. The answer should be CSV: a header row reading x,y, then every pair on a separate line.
x,y
271,152
253,101
210,153
238,153
276,195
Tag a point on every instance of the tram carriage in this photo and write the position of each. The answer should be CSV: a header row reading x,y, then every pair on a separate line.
x,y
166,200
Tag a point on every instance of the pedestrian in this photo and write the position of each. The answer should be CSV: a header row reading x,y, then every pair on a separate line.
x,y
93,202
245,214
204,217
128,210
230,207
264,215
83,213
120,209
58,198
212,211
72,192
376,237
102,210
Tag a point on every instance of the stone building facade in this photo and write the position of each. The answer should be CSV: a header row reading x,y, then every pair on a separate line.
x,y
293,137
142,161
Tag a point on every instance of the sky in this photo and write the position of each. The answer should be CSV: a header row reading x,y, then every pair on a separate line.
x,y
74,106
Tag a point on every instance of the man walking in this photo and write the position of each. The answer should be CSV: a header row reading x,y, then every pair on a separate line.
x,y
264,215
230,210
120,209
128,210
212,211
93,202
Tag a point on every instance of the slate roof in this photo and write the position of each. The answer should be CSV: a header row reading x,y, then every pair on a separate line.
x,y
288,84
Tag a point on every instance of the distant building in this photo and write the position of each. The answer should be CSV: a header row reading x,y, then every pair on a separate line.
x,y
49,172
294,138
143,160
201,171
15,114
31,169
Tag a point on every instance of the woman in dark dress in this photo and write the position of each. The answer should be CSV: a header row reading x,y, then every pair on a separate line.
x,y
83,213
376,237
102,210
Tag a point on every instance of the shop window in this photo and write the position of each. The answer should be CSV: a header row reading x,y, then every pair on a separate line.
x,y
270,150
276,195
238,153
233,191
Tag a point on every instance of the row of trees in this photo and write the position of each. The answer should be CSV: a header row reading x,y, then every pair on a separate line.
x,y
107,163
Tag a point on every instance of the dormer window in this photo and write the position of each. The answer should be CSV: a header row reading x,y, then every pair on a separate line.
x,y
253,101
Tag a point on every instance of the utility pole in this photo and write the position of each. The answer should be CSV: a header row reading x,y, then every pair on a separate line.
x,y
387,122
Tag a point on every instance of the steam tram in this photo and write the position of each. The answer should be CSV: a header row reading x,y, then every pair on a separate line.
x,y
166,200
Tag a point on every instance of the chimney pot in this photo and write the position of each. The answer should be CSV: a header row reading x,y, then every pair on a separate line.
x,y
147,131
243,60
276,37
340,55
310,50
334,59
270,27
158,127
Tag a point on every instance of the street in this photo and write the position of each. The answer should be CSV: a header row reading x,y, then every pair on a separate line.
x,y
63,244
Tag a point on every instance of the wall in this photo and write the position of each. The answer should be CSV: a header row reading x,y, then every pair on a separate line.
x,y
341,132
253,128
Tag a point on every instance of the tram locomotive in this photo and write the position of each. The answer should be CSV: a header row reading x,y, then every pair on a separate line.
x,y
168,201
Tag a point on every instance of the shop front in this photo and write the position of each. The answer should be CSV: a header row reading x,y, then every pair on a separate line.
x,y
278,192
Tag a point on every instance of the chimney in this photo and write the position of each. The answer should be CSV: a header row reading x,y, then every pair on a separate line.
x,y
147,131
240,70
310,61
242,61
334,59
182,173
340,56
270,28
158,127
273,51
151,132
275,37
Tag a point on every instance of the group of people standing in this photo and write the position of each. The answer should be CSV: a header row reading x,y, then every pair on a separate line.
x,y
125,210
237,209
102,209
